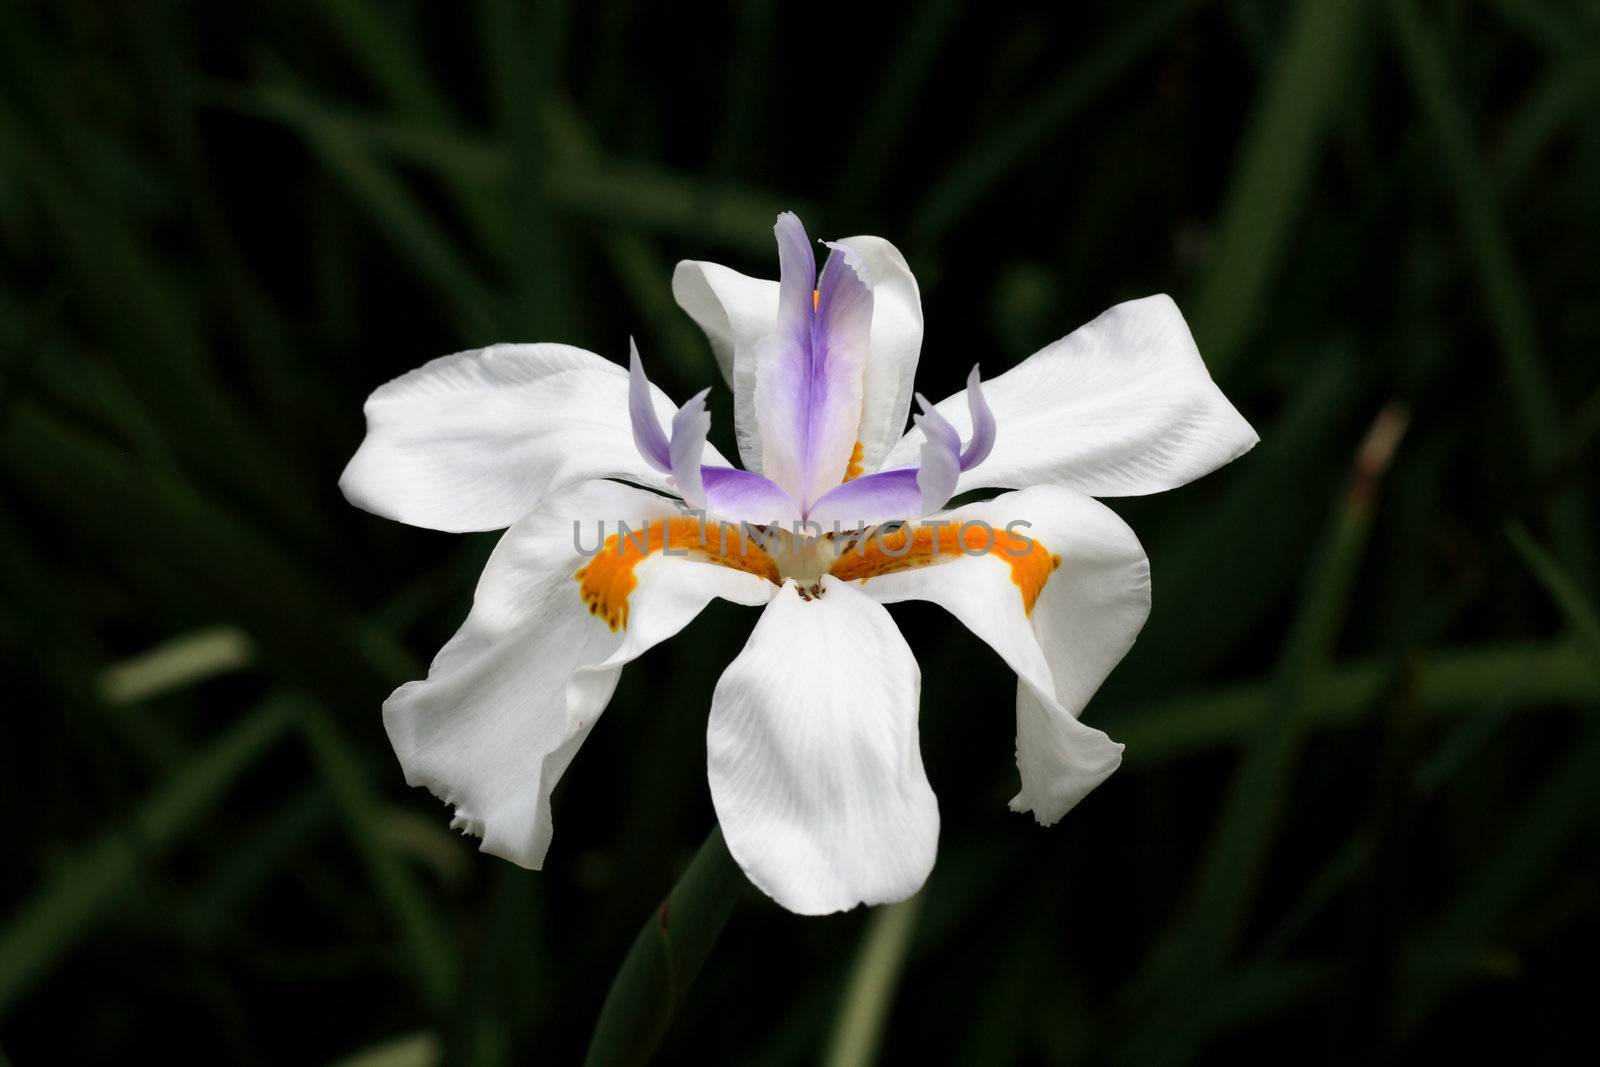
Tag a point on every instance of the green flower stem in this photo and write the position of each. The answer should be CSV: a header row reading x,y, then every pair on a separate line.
x,y
665,957
864,1008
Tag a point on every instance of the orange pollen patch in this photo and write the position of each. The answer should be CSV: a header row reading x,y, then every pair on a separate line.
x,y
607,579
1030,562
854,469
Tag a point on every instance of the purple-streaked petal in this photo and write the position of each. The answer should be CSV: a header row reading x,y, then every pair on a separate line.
x,y
689,428
647,433
809,372
745,496
983,425
869,500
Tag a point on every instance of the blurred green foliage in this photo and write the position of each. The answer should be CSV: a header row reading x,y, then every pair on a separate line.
x,y
1358,813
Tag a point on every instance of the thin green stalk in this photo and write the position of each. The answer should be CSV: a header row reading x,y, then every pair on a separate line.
x,y
655,977
869,994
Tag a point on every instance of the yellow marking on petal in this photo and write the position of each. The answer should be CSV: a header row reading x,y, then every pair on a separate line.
x,y
607,579
1030,562
816,298
854,469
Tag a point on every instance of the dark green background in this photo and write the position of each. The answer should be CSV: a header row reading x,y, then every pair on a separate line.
x,y
1359,805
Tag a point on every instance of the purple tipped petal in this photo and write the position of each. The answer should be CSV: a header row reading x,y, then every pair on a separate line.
x,y
745,496
870,500
936,428
689,428
647,435
797,275
983,425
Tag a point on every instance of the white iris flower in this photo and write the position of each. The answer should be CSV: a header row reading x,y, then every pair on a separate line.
x,y
812,748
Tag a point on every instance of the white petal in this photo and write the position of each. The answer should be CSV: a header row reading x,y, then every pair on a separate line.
x,y
736,312
1084,621
475,440
1120,407
896,343
813,756
510,698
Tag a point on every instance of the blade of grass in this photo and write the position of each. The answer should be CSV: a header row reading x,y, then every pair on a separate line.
x,y
182,661
1540,24
653,198
374,188
162,45
643,274
379,43
1530,848
66,907
904,76
1196,951
219,899
1556,101
523,46
992,157
149,326
1563,591
1449,682
1510,312
1270,182
868,994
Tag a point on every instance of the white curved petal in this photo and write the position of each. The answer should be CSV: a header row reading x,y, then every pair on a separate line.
x,y
1086,617
813,756
896,343
514,693
1120,407
475,440
735,311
